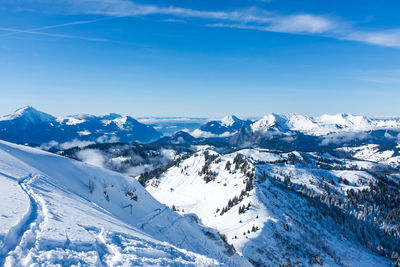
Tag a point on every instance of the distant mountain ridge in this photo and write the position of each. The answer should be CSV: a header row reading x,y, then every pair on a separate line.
x,y
226,124
179,138
224,127
323,124
316,126
28,125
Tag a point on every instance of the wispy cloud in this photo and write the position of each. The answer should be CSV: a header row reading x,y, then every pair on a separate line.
x,y
11,30
39,30
14,31
389,38
297,24
302,23
250,18
384,76
382,80
174,20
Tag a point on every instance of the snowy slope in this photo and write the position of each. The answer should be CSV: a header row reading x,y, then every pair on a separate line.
x,y
244,198
60,211
373,153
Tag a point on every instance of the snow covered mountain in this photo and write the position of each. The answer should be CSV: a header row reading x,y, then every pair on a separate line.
x,y
57,211
322,125
28,115
301,132
283,190
221,128
273,124
293,208
28,125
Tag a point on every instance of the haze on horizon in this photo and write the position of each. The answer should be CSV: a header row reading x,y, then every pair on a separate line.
x,y
200,59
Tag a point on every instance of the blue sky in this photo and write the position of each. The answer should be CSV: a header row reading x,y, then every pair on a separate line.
x,y
200,58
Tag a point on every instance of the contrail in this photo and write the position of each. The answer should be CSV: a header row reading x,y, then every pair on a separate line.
x,y
38,29
16,31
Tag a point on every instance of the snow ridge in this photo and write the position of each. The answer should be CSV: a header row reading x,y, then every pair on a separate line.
x,y
243,195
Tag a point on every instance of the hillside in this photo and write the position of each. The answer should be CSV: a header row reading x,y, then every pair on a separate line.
x,y
59,211
285,208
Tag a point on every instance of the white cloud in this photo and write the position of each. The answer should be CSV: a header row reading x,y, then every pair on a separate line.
x,y
66,145
75,143
49,145
251,18
384,38
343,137
107,139
302,23
138,170
168,153
197,133
91,156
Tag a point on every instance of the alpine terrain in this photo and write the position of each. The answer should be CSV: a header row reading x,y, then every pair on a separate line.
x,y
281,190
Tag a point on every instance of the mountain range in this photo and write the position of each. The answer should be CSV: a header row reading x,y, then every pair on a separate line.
x,y
287,209
28,125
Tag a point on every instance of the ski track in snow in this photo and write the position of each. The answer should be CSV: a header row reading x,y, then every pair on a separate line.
x,y
147,220
107,249
162,229
23,235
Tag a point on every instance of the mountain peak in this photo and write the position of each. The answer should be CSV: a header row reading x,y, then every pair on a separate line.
x,y
29,114
229,120
272,120
344,119
25,110
265,122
